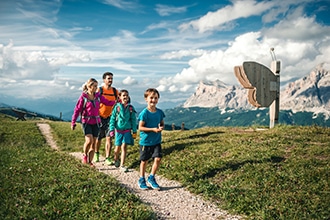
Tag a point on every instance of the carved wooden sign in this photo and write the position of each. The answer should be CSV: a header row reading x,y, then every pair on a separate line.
x,y
263,85
260,81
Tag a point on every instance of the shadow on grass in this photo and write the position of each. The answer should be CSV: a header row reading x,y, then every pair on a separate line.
x,y
193,136
235,166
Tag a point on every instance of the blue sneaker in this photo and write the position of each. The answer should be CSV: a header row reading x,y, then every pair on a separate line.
x,y
142,183
153,183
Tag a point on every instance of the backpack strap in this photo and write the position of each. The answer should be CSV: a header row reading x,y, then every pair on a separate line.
x,y
115,92
101,90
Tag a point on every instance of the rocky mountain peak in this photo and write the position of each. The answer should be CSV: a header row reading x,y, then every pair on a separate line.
x,y
310,93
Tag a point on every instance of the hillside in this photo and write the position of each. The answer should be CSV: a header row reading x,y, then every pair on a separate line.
x,y
196,117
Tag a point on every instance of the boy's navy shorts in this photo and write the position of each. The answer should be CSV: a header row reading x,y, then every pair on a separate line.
x,y
147,152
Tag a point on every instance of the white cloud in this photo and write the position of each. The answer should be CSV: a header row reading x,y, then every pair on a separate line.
x,y
129,81
298,27
165,10
181,53
122,4
219,20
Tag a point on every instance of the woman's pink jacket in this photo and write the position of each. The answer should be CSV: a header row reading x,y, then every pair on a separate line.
x,y
90,112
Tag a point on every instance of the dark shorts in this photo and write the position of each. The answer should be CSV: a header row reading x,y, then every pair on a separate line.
x,y
90,129
104,128
147,152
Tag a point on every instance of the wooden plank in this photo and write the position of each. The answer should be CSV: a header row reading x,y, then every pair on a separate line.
x,y
262,78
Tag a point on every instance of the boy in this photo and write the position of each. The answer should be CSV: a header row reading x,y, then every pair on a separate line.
x,y
151,124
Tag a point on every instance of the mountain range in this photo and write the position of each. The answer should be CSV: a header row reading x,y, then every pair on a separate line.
x,y
305,101
309,94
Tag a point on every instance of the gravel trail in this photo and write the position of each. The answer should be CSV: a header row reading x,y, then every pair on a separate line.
x,y
172,202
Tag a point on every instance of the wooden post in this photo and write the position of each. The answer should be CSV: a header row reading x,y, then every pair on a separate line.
x,y
182,126
173,127
274,109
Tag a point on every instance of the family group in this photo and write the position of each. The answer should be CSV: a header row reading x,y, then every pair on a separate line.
x,y
107,113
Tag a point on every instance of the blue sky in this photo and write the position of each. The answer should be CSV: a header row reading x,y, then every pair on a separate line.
x,y
52,47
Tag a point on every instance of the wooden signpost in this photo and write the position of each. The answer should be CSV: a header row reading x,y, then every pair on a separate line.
x,y
263,85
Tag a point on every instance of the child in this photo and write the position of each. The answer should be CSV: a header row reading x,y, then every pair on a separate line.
x,y
123,120
151,124
87,107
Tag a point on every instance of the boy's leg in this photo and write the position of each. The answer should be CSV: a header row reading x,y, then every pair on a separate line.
x,y
143,166
142,181
155,165
151,179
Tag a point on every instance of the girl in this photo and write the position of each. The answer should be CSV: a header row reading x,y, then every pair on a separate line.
x,y
87,107
123,120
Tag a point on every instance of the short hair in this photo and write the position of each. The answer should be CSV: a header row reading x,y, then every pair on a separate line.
x,y
107,74
150,91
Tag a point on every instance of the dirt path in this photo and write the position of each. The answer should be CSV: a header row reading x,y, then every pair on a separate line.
x,y
171,202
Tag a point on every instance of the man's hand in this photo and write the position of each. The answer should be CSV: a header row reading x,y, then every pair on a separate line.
x,y
112,134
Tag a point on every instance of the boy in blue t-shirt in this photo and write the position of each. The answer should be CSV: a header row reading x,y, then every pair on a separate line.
x,y
151,124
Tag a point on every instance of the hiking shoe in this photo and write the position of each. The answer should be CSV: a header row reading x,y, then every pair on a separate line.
x,y
153,183
97,157
124,169
142,183
117,163
108,161
84,159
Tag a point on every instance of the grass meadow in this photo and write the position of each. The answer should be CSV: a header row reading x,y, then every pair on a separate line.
x,y
281,173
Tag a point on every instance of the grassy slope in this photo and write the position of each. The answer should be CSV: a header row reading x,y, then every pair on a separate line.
x,y
282,173
37,183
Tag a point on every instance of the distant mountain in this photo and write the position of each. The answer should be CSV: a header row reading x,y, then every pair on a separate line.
x,y
196,117
218,94
309,94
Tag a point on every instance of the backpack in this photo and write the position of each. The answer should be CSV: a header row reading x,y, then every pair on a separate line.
x,y
114,91
85,102
118,110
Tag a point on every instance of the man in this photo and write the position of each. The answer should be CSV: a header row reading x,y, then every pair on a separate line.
x,y
109,93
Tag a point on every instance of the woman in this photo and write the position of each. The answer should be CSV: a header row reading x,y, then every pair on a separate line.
x,y
87,107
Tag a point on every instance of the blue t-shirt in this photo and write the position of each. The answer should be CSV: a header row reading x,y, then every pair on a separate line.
x,y
151,120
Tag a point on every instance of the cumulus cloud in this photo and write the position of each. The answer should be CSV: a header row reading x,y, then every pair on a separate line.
x,y
129,81
297,53
172,59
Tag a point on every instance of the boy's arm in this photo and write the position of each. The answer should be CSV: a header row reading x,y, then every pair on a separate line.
x,y
145,129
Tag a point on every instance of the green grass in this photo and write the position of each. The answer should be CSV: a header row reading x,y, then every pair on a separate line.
x,y
39,183
281,173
